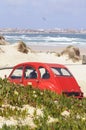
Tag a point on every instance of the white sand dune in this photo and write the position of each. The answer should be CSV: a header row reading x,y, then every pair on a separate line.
x,y
11,56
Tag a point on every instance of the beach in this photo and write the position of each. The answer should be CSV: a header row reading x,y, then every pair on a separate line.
x,y
10,56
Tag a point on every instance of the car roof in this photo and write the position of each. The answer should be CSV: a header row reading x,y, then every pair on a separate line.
x,y
55,65
42,63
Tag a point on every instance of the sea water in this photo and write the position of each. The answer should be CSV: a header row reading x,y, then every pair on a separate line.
x,y
46,40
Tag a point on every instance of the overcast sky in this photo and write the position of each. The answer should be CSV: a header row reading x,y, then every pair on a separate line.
x,y
43,14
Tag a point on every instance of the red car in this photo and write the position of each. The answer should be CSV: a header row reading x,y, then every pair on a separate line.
x,y
54,77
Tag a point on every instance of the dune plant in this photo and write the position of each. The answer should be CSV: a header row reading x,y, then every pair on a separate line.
x,y
66,113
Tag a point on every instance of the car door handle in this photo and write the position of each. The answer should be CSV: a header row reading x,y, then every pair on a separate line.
x,y
37,81
20,81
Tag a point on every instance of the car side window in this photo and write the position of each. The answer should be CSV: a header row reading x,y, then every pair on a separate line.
x,y
44,73
30,73
17,73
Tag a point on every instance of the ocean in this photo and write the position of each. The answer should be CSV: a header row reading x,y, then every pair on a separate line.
x,y
48,40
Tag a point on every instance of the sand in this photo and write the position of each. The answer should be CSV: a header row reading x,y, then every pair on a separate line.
x,y
10,56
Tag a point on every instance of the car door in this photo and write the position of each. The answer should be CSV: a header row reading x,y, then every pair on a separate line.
x,y
30,76
46,80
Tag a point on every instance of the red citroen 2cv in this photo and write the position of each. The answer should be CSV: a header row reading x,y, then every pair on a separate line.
x,y
54,77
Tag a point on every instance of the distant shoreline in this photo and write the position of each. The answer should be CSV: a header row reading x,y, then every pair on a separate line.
x,y
41,31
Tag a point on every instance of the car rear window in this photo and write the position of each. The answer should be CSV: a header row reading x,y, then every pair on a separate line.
x,y
61,71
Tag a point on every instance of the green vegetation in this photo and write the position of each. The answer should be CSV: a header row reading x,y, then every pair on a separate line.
x,y
57,111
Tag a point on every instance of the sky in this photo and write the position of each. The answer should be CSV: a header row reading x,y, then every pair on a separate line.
x,y
43,14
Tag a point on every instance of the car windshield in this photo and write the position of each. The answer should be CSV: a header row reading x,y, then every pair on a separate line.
x,y
17,73
61,71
